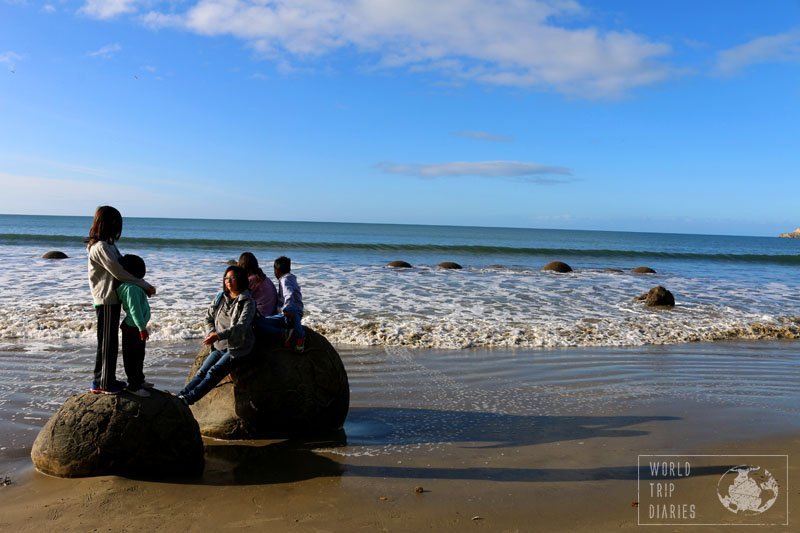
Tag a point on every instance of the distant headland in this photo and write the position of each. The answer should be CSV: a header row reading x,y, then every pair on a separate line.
x,y
791,235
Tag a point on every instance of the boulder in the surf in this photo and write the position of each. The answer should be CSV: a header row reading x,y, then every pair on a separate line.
x,y
658,297
54,254
643,270
449,265
123,434
557,266
399,264
277,392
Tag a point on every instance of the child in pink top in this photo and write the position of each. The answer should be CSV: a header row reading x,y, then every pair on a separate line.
x,y
261,287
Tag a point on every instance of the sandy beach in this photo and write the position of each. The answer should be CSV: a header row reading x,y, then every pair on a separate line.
x,y
550,442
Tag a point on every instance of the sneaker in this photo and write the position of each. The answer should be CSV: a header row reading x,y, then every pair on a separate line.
x,y
147,385
115,388
141,392
287,340
300,345
183,398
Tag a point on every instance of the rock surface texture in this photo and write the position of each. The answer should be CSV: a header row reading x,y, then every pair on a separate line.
x,y
98,434
277,393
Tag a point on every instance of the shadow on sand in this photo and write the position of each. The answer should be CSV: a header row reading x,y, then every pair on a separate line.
x,y
289,461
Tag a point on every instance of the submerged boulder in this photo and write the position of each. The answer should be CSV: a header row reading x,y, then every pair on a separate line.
x,y
277,393
399,264
55,254
99,434
643,270
449,265
658,297
557,266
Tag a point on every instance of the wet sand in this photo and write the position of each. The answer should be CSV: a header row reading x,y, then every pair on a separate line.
x,y
498,440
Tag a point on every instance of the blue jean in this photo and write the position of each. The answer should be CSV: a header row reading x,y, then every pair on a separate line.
x,y
217,365
274,325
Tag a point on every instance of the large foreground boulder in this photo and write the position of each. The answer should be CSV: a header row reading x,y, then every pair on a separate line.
x,y
99,434
277,393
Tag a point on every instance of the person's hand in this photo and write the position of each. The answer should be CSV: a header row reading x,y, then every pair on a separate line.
x,y
151,291
144,335
210,339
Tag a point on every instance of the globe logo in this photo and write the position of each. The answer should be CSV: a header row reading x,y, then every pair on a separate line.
x,y
747,490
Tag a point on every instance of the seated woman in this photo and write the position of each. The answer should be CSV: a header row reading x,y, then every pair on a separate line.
x,y
229,331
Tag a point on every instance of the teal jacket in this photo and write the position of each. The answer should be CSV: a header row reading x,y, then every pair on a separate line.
x,y
134,303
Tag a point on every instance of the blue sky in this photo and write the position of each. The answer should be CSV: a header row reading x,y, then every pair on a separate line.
x,y
668,116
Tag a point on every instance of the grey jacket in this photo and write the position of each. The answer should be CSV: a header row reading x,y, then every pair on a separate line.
x,y
232,320
104,270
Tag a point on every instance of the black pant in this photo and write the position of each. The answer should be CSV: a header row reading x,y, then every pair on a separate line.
x,y
133,356
105,363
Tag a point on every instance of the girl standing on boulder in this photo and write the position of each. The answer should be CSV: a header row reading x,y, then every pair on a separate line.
x,y
104,272
229,327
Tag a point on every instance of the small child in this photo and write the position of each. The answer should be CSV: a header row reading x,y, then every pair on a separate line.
x,y
290,303
134,327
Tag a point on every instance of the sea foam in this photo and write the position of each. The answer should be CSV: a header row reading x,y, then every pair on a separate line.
x,y
370,304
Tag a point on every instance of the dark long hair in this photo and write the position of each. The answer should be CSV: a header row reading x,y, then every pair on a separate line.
x,y
250,265
242,283
106,226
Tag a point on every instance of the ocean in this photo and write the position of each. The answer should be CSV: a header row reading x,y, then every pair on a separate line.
x,y
495,341
725,287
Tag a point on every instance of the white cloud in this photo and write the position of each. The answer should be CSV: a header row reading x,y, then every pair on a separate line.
x,y
108,9
10,59
106,52
514,170
782,47
499,42
49,8
483,136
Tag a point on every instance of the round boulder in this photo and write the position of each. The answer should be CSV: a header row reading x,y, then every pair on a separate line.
x,y
643,270
55,255
658,297
277,393
449,265
399,264
557,266
123,434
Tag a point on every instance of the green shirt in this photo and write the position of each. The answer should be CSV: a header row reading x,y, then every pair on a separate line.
x,y
134,302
